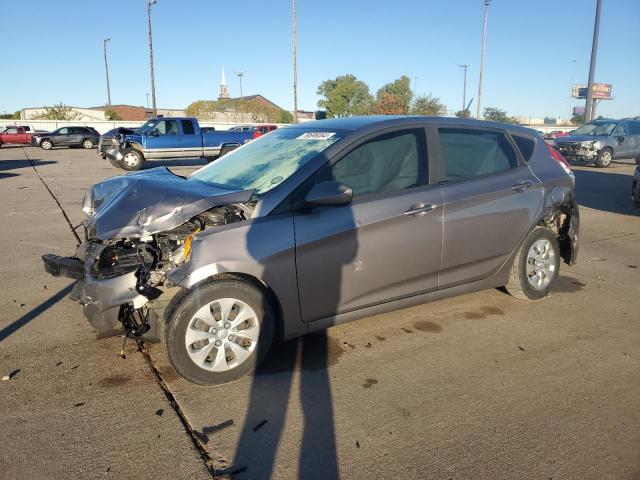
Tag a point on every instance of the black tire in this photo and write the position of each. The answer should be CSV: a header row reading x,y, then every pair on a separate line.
x,y
519,285
115,163
181,311
130,165
87,143
46,144
604,158
226,149
212,159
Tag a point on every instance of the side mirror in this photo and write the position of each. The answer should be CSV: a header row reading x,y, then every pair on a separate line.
x,y
329,193
620,139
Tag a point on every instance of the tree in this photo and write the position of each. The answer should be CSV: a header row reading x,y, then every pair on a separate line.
x,y
577,119
17,115
497,115
389,104
428,105
111,114
345,96
58,111
463,113
397,93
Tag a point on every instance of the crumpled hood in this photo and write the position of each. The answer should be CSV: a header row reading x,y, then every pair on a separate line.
x,y
580,138
148,202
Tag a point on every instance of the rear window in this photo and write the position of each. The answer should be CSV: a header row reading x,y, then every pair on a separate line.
x,y
472,153
525,145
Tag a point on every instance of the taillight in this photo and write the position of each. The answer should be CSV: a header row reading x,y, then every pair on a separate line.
x,y
560,159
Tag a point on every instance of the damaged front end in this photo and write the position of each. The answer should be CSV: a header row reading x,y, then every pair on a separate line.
x,y
579,150
139,228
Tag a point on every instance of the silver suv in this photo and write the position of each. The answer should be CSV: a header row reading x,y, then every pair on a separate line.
x,y
602,141
318,224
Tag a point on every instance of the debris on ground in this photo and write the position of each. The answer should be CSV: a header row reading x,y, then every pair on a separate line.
x,y
160,412
11,375
58,364
357,444
202,437
521,348
79,404
259,426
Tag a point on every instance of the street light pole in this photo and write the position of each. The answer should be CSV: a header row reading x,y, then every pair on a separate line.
x,y
482,54
153,82
240,74
295,67
464,85
106,69
589,107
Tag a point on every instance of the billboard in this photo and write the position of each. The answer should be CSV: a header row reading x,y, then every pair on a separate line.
x,y
601,91
578,110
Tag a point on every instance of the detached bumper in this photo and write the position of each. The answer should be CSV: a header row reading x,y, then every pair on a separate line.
x,y
101,299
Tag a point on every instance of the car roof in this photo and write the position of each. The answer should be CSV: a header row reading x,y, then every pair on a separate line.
x,y
365,122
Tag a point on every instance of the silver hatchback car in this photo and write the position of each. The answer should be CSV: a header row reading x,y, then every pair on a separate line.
x,y
319,224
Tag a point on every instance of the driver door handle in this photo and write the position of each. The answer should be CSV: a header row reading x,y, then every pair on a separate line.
x,y
522,186
419,209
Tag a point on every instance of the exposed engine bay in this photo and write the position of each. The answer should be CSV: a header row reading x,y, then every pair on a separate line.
x,y
138,228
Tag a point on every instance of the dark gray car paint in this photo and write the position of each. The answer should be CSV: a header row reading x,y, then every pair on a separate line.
x,y
384,258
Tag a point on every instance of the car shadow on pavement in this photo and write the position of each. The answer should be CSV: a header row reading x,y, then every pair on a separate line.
x,y
591,186
304,362
34,312
18,164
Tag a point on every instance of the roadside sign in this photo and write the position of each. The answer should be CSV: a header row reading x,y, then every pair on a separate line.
x,y
601,91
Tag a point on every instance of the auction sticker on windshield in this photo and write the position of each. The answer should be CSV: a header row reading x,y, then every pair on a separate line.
x,y
316,135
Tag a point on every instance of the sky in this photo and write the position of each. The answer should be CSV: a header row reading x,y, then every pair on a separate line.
x,y
535,50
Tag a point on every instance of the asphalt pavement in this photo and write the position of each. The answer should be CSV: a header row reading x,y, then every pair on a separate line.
x,y
474,387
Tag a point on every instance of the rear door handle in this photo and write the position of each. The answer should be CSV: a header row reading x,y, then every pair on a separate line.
x,y
522,186
419,209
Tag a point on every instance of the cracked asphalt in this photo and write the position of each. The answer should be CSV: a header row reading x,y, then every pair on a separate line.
x,y
474,387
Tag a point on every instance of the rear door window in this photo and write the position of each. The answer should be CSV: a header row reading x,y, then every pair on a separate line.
x,y
634,128
469,153
525,145
187,127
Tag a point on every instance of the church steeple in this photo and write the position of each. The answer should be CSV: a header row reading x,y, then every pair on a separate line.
x,y
224,93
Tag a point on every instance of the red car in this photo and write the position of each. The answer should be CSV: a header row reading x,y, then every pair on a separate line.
x,y
16,135
260,130
555,134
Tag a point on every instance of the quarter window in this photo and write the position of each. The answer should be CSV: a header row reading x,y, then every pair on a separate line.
x,y
525,145
471,153
385,164
634,128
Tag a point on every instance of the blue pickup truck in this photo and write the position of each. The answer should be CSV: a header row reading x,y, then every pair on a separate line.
x,y
171,138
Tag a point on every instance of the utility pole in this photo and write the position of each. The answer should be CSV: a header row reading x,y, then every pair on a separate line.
x,y
295,67
589,109
482,54
147,100
106,68
464,85
415,86
153,82
240,74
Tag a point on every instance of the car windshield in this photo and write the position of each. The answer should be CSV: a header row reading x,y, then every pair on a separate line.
x,y
146,128
600,128
264,163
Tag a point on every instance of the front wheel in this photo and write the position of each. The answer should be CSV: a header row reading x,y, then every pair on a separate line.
x,y
218,331
46,144
132,159
87,143
536,266
604,158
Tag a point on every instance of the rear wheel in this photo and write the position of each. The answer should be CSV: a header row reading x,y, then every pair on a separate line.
x,y
604,158
87,143
46,144
218,331
536,266
131,159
